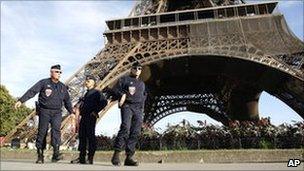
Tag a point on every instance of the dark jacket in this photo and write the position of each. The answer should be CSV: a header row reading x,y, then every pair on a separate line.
x,y
93,101
133,88
51,95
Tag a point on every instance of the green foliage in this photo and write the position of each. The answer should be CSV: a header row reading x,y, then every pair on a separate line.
x,y
9,116
238,135
265,144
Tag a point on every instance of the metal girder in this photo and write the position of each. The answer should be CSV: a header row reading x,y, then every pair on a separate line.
x,y
262,40
164,105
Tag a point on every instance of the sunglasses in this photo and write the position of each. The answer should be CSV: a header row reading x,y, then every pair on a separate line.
x,y
137,68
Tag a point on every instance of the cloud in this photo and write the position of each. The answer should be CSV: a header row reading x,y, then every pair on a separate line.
x,y
293,12
110,123
290,3
35,35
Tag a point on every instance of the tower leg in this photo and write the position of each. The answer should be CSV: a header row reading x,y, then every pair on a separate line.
x,y
244,105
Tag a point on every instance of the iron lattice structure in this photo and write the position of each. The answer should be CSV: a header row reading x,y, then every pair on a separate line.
x,y
205,56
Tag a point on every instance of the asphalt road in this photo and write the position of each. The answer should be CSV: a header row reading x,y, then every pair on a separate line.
x,y
65,165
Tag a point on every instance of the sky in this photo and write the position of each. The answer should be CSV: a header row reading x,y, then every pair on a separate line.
x,y
38,34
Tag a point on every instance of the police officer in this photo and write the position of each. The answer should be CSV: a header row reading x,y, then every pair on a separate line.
x,y
89,107
52,95
132,99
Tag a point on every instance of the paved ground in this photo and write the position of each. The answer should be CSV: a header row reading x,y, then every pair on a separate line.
x,y
65,165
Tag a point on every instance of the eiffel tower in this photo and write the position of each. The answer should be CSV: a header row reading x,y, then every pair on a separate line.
x,y
213,57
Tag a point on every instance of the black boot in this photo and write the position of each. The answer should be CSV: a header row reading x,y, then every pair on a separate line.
x,y
75,161
56,155
115,159
90,159
80,159
40,158
91,156
130,161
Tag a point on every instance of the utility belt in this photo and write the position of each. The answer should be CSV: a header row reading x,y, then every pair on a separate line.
x,y
132,104
40,108
37,108
89,114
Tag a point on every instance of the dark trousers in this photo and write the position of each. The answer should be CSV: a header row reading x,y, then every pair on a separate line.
x,y
87,134
131,122
46,117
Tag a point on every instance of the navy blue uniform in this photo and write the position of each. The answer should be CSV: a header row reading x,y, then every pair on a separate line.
x,y
92,103
131,113
52,96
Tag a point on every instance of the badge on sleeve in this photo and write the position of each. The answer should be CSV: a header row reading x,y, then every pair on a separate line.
x,y
132,90
48,92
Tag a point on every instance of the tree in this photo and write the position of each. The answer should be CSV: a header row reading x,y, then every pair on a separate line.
x,y
10,117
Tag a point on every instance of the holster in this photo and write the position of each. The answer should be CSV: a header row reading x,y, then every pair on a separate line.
x,y
37,108
94,114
